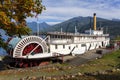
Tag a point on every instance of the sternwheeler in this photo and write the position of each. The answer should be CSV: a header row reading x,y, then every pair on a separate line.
x,y
27,49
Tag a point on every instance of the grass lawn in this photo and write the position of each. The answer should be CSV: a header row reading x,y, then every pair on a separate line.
x,y
107,62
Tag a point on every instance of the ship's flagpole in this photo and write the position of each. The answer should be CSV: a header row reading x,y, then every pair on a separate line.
x,y
37,27
61,30
75,30
37,24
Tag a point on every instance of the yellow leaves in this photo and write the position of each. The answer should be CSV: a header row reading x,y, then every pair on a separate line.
x,y
15,18
0,6
2,13
18,11
3,18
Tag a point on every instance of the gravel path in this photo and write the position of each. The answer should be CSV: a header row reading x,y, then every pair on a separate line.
x,y
90,55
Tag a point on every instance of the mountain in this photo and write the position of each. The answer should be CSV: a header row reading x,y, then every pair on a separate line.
x,y
114,19
83,23
43,27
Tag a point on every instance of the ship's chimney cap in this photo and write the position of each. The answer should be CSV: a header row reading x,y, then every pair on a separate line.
x,y
94,14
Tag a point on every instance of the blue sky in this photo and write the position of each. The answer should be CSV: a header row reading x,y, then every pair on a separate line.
x,y
60,10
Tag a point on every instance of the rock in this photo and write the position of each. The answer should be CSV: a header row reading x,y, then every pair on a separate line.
x,y
79,74
64,76
72,76
48,78
53,68
110,65
100,72
95,73
21,79
27,78
109,71
34,78
67,76
61,78
99,57
61,68
54,78
118,69
82,65
43,78
69,67
114,70
88,74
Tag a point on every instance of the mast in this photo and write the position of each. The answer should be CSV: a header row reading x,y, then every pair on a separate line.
x,y
37,27
61,30
75,30
37,24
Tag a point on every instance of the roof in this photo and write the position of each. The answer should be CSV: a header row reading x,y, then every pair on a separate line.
x,y
13,42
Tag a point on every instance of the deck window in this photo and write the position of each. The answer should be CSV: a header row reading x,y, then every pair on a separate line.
x,y
83,45
69,47
56,36
63,46
56,46
76,46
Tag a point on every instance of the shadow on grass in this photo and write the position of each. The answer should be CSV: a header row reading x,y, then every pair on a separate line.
x,y
1,65
107,76
4,64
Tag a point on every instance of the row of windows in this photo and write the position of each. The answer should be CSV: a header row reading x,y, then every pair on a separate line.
x,y
56,46
82,38
61,36
82,45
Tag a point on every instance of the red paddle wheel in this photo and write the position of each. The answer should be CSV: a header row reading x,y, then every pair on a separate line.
x,y
23,51
34,47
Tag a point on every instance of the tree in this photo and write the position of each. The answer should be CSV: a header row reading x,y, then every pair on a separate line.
x,y
14,12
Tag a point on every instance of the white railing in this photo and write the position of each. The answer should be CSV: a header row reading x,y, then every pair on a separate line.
x,y
85,41
61,41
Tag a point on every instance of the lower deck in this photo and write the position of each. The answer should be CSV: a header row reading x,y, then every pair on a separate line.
x,y
76,48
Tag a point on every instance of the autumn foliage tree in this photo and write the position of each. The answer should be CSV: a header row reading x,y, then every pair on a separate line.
x,y
14,12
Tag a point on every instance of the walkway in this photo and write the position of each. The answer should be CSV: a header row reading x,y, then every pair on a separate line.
x,y
89,55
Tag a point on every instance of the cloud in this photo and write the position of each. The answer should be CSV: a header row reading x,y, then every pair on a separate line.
x,y
52,23
61,10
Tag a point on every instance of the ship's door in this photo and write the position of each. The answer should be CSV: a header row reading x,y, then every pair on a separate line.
x,y
102,44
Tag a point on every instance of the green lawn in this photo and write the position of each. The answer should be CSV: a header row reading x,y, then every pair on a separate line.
x,y
107,62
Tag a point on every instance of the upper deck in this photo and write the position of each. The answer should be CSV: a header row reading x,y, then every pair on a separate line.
x,y
68,38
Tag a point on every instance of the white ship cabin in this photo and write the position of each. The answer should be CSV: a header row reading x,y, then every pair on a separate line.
x,y
66,43
76,43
